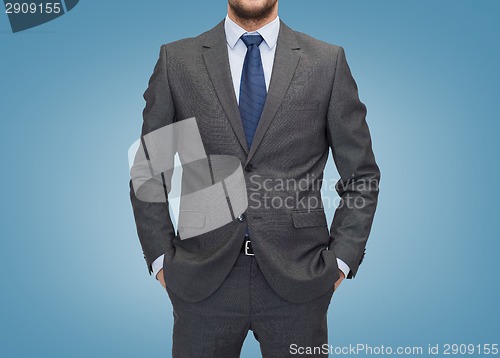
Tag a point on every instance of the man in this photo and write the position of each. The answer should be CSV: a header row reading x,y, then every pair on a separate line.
x,y
278,101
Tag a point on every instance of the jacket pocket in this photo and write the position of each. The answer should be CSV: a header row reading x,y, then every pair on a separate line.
x,y
309,218
301,105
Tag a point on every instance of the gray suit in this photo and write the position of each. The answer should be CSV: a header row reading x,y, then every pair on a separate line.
x,y
312,107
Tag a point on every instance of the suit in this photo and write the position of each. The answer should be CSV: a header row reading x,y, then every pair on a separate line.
x,y
312,107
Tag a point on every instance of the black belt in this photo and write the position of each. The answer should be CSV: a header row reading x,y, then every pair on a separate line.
x,y
247,247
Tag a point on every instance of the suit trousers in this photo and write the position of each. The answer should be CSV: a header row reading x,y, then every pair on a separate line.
x,y
217,326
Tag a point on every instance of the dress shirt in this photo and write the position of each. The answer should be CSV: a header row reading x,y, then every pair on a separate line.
x,y
236,51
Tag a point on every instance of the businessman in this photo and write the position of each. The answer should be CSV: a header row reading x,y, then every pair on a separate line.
x,y
279,101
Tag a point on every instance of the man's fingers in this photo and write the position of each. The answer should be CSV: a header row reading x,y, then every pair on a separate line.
x,y
339,281
160,277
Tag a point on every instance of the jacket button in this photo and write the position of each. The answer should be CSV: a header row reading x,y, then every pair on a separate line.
x,y
249,168
242,217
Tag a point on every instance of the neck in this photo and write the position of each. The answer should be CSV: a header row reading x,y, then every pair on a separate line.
x,y
253,24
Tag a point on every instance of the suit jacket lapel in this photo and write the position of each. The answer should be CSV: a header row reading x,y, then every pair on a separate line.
x,y
286,60
217,63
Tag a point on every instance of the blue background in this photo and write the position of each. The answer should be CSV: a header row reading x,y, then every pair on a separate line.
x,y
73,279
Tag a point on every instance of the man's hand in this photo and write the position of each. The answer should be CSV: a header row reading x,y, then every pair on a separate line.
x,y
161,278
339,281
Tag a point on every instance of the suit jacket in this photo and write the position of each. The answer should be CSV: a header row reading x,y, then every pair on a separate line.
x,y
312,107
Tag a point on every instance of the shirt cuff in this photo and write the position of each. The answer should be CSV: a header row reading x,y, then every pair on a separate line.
x,y
157,265
343,267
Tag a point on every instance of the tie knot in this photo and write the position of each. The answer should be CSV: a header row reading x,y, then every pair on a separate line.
x,y
250,40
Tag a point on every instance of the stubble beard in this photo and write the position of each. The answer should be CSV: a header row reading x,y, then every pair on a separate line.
x,y
252,14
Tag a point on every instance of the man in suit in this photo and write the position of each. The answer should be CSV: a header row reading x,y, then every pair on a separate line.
x,y
278,101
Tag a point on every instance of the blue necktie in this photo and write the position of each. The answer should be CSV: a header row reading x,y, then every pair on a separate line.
x,y
253,92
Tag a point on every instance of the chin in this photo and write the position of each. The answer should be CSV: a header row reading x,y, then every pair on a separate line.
x,y
252,9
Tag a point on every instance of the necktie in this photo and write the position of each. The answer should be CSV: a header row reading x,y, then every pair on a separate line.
x,y
253,90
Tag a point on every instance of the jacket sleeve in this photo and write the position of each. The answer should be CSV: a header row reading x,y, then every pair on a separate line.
x,y
358,187
152,217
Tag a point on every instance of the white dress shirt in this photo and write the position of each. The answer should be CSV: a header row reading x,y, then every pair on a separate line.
x,y
237,50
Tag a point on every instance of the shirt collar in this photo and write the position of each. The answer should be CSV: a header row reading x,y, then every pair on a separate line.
x,y
268,32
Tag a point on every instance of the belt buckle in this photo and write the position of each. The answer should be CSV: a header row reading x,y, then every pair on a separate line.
x,y
247,247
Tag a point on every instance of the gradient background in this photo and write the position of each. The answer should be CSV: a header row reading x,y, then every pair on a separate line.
x,y
73,279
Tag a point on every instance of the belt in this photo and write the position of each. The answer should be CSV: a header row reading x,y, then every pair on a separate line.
x,y
247,247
